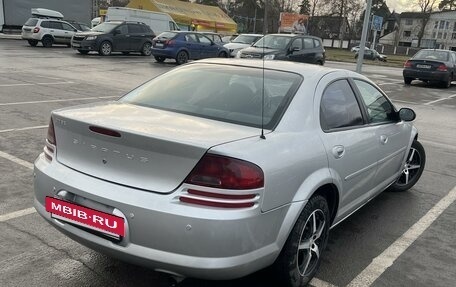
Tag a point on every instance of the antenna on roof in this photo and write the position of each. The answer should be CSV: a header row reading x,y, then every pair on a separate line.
x,y
265,27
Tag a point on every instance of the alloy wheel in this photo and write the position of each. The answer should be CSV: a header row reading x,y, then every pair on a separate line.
x,y
411,167
310,243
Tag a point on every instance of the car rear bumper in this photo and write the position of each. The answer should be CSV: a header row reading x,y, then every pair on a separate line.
x,y
30,36
426,75
168,53
165,234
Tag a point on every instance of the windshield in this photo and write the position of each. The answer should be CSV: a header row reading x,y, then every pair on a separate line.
x,y
432,55
245,39
105,27
273,42
220,92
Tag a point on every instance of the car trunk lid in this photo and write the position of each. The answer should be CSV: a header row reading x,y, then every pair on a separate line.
x,y
425,65
136,146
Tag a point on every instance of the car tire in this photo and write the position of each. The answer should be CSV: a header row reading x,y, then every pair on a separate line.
x,y
223,54
181,58
300,257
407,81
83,52
146,51
33,43
159,59
47,41
412,170
105,48
446,84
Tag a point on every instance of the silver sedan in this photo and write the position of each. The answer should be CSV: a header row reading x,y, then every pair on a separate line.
x,y
220,168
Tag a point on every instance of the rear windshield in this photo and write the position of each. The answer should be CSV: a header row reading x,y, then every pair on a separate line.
x,y
432,55
31,22
220,92
167,35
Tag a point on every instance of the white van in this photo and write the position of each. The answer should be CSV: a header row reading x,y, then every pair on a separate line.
x,y
158,22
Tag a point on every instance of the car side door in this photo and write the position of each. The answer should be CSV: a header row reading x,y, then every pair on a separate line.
x,y
121,38
208,48
137,36
392,135
350,143
68,32
295,50
192,45
56,30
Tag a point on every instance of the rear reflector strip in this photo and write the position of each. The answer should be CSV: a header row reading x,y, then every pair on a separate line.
x,y
220,195
104,131
216,203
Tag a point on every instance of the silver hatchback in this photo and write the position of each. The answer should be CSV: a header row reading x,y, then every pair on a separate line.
x,y
226,171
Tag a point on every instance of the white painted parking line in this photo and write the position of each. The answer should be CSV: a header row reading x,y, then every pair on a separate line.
x,y
440,100
315,282
17,214
437,144
34,84
390,83
23,129
386,259
59,100
16,160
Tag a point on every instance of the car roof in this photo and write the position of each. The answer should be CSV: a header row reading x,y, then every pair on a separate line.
x,y
247,34
306,70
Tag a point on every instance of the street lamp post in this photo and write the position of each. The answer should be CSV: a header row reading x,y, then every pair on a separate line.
x,y
362,45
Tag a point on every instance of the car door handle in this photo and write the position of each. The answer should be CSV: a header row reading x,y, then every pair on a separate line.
x,y
127,36
383,139
338,151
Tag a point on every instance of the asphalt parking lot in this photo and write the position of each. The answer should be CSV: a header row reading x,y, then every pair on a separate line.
x,y
398,239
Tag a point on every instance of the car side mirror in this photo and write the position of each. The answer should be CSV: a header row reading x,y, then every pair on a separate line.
x,y
407,114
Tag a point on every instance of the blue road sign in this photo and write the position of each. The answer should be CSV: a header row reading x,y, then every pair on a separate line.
x,y
377,22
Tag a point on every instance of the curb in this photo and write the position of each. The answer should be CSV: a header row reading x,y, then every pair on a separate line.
x,y
10,36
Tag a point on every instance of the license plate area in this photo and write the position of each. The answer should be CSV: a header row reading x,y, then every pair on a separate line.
x,y
76,45
94,221
421,66
158,45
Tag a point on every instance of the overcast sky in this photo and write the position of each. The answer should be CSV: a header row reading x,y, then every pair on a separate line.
x,y
401,5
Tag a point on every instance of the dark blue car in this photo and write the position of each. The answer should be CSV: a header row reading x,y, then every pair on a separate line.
x,y
185,45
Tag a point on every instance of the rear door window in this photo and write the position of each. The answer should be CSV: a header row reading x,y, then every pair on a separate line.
x,y
308,43
339,107
55,25
204,40
45,24
135,29
317,43
296,44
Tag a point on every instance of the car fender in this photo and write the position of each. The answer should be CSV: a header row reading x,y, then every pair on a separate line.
x,y
413,136
46,35
310,185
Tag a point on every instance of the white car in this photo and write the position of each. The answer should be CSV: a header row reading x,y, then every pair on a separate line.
x,y
356,49
240,42
47,27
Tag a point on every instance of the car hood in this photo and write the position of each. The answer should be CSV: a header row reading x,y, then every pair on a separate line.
x,y
235,46
261,51
89,33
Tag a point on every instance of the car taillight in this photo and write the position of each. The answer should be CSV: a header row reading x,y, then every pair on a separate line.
x,y
169,42
49,148
226,173
36,29
239,178
442,68
408,64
